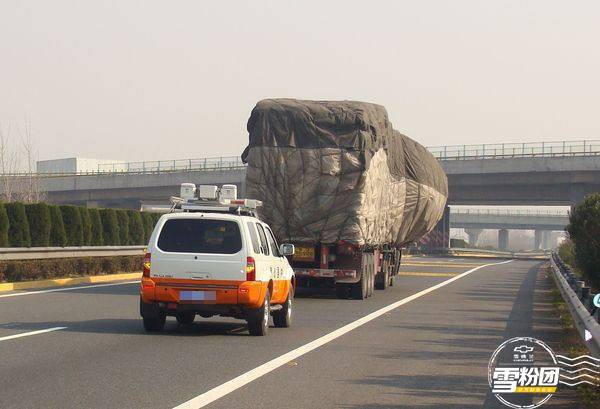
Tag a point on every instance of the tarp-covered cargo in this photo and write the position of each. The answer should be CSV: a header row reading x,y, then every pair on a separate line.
x,y
328,171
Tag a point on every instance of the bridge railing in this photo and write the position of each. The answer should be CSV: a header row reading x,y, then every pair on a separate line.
x,y
510,212
216,163
517,150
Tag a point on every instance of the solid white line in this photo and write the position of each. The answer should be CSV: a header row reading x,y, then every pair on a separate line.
x,y
247,377
66,289
26,334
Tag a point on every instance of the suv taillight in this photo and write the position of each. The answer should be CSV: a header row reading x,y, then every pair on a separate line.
x,y
146,265
250,269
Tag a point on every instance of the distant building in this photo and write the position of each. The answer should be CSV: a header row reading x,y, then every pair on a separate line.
x,y
79,165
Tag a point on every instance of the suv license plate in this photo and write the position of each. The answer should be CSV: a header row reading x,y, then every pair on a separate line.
x,y
197,296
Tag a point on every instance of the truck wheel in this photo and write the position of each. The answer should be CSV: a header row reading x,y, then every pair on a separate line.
x,y
186,317
385,280
156,324
371,287
341,291
283,317
358,291
392,279
258,321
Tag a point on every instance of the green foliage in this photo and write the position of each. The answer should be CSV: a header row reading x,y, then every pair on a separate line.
x,y
136,228
38,217
148,221
18,227
58,235
123,220
29,270
584,232
86,222
97,238
73,225
3,226
566,252
110,227
458,243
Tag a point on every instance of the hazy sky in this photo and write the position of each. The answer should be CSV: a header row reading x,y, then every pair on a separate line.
x,y
177,79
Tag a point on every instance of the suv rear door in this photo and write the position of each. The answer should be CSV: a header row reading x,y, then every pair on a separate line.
x,y
200,248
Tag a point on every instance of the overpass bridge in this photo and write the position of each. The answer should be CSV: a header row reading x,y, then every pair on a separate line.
x,y
559,173
543,222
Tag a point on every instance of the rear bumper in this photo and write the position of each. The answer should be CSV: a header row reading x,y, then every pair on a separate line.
x,y
337,275
208,294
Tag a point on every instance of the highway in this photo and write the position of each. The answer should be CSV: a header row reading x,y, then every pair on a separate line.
x,y
423,343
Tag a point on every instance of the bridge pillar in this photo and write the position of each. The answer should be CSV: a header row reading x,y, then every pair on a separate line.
x,y
546,239
537,240
473,236
502,239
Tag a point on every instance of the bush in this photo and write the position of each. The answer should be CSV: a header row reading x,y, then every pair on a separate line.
x,y
18,227
29,270
86,223
110,227
136,228
3,226
458,243
148,221
38,217
58,235
584,232
96,228
123,220
73,225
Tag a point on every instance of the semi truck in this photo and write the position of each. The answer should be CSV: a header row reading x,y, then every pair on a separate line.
x,y
341,184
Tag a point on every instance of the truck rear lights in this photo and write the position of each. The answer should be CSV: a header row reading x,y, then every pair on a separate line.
x,y
250,269
146,265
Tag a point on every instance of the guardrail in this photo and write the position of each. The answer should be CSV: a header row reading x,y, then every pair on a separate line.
x,y
516,150
463,251
29,253
579,300
510,212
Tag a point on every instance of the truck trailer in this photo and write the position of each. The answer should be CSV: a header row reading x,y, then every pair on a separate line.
x,y
344,187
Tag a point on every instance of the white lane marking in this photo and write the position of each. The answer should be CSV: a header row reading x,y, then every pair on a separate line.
x,y
253,374
26,334
66,289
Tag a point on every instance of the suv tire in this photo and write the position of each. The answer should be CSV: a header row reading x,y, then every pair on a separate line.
x,y
258,320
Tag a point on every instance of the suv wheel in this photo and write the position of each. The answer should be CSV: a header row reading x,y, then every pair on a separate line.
x,y
258,321
283,317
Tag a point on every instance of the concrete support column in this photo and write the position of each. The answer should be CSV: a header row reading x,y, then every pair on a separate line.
x,y
473,236
537,240
502,239
546,239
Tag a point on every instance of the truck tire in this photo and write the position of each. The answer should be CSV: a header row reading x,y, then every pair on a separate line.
x,y
358,291
185,318
283,317
155,324
371,287
258,320
392,279
383,283
342,291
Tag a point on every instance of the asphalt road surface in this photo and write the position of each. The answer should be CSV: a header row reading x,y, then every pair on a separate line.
x,y
423,343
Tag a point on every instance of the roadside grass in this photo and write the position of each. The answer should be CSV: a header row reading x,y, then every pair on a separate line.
x,y
571,344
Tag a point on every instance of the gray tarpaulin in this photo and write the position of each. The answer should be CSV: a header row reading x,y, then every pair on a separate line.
x,y
337,170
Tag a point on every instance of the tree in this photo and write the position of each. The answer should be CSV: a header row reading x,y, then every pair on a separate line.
x,y
86,223
123,220
73,225
58,235
136,227
3,226
97,231
584,231
38,217
148,221
110,227
18,227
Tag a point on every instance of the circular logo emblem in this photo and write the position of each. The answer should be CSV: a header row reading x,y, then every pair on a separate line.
x,y
597,300
523,373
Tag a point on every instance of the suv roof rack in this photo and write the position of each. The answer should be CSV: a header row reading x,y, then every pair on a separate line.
x,y
245,207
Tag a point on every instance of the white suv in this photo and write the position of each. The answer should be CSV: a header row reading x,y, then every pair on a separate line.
x,y
216,262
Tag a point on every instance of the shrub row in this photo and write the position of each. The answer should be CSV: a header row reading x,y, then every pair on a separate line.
x,y
43,225
584,232
29,270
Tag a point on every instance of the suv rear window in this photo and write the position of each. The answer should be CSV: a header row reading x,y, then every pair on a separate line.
x,y
200,236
